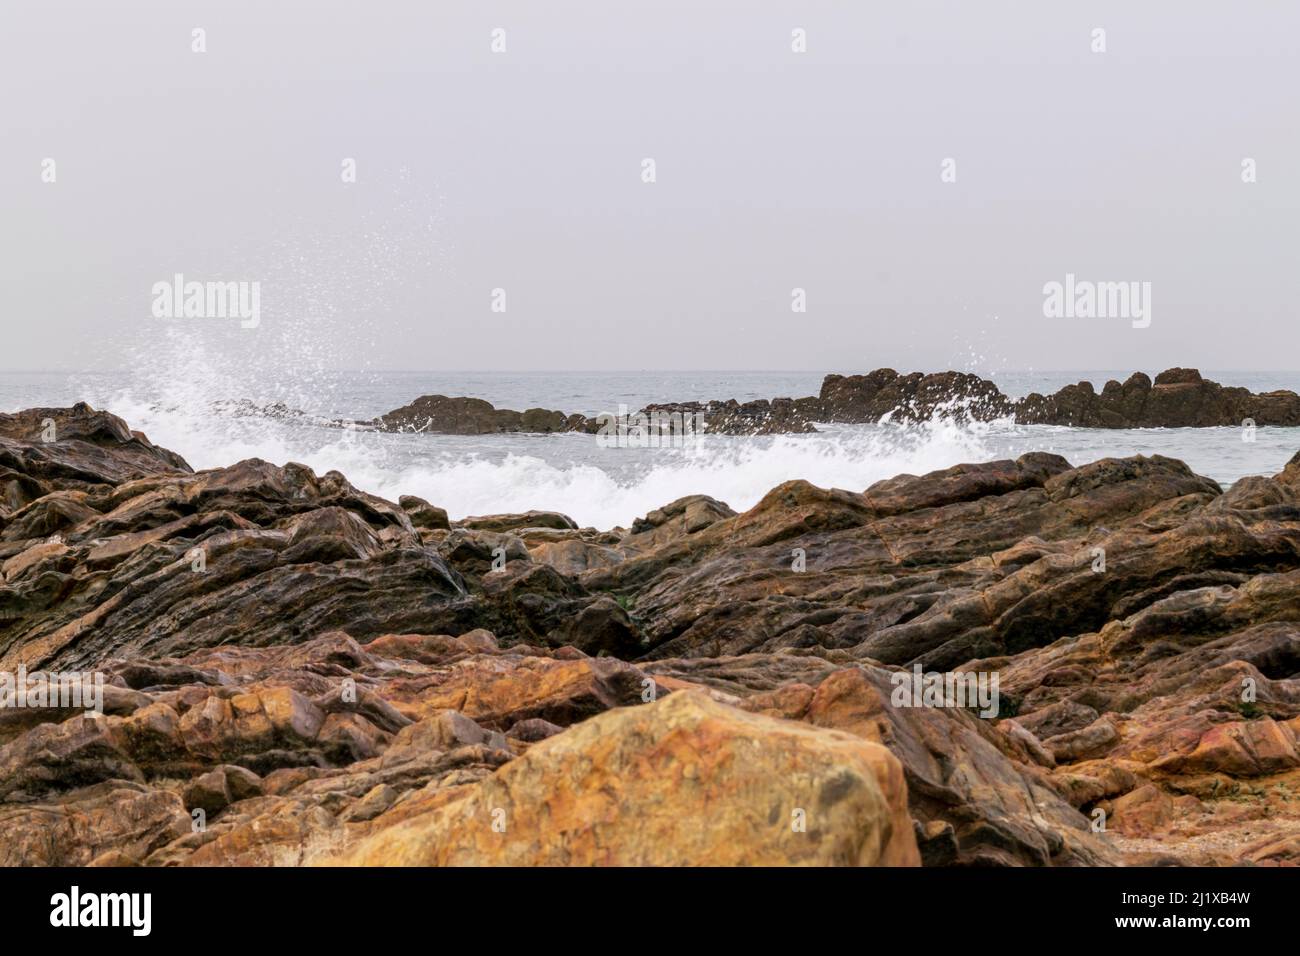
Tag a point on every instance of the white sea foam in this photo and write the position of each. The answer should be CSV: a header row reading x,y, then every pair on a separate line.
x,y
568,473
603,492
604,488
181,397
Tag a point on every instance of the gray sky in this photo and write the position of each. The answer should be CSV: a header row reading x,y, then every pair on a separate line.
x,y
522,170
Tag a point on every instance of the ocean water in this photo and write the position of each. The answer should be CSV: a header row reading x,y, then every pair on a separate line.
x,y
177,400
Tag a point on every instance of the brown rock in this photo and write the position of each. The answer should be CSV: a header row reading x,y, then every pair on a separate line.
x,y
685,781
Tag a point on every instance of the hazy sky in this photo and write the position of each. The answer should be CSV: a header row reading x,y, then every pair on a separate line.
x,y
775,170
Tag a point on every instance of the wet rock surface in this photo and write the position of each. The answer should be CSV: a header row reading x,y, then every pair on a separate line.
x,y
297,672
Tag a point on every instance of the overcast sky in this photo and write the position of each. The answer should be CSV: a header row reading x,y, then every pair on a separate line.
x,y
775,170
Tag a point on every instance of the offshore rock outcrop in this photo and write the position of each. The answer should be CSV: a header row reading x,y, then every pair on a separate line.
x,y
1177,398
297,672
915,397
438,414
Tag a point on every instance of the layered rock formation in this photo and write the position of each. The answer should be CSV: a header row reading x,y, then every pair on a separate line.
x,y
297,672
1178,398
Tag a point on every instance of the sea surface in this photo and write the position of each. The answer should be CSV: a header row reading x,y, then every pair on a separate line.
x,y
186,407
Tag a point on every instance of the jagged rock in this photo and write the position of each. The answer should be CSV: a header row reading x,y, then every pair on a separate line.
x,y
915,397
471,416
685,516
1141,812
686,781
208,793
573,556
316,668
1088,741
447,730
113,823
375,802
423,514
529,519
967,784
1178,398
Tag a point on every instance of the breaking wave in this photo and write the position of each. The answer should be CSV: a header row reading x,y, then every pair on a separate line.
x,y
218,413
597,487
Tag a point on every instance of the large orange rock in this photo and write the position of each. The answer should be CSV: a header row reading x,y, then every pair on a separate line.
x,y
684,781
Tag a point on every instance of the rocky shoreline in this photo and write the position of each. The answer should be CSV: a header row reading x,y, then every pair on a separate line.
x,y
299,673
1177,398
